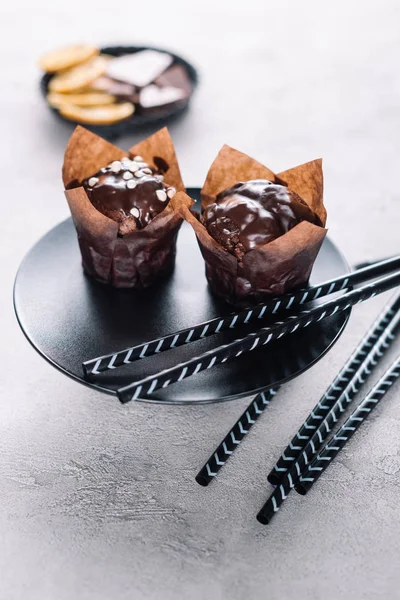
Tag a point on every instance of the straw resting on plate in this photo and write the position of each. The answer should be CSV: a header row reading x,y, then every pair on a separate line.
x,y
252,341
101,364
137,259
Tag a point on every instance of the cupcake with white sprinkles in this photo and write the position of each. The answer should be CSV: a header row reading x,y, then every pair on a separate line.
x,y
120,204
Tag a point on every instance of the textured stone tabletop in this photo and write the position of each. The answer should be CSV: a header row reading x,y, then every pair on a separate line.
x,y
98,501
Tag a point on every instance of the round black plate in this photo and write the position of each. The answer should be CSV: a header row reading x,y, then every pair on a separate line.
x,y
69,318
135,122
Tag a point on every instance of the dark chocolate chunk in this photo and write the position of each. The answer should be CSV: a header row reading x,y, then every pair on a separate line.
x,y
177,77
253,213
122,90
171,88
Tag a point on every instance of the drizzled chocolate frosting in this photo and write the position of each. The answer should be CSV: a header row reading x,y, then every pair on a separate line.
x,y
253,213
130,192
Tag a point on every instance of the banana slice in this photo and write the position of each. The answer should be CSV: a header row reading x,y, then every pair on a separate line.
x,y
84,99
98,115
79,77
65,58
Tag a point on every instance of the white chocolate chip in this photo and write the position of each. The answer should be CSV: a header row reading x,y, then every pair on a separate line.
x,y
159,177
127,175
171,192
148,171
135,212
125,160
161,195
92,181
138,159
142,165
133,167
116,166
139,173
131,184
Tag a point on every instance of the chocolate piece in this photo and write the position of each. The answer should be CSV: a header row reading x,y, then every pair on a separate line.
x,y
120,89
177,77
171,87
140,68
130,196
253,213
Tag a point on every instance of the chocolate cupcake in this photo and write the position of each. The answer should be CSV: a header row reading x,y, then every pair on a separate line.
x,y
259,233
121,207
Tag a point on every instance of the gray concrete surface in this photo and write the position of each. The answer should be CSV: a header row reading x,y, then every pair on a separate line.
x,y
97,500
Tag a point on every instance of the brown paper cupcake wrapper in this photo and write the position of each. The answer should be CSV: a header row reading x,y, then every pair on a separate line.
x,y
274,268
138,259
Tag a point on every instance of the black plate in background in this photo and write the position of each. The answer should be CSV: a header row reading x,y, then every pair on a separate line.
x,y
134,122
69,318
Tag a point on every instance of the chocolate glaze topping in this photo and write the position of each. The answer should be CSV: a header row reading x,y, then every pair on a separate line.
x,y
130,192
253,213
